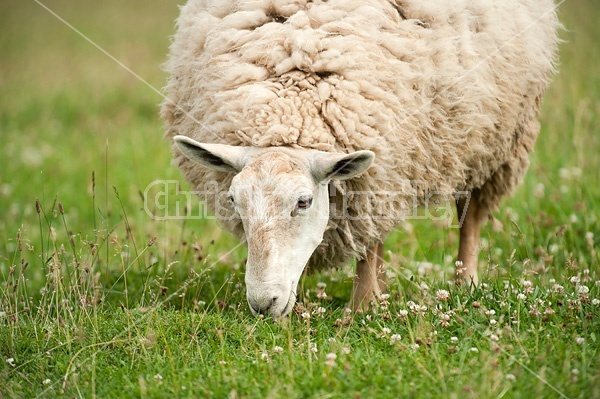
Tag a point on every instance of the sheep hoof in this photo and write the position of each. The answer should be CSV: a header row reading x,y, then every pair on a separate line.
x,y
363,303
462,279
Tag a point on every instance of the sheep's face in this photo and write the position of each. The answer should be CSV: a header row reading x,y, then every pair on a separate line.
x,y
280,195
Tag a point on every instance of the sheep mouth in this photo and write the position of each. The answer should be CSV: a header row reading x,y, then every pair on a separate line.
x,y
275,313
287,308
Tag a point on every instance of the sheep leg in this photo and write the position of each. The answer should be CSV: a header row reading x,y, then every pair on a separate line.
x,y
472,215
369,281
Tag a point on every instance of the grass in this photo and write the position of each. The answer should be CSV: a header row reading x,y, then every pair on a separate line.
x,y
99,300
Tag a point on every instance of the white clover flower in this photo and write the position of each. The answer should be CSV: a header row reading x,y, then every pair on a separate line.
x,y
346,350
579,340
305,315
2,314
494,337
424,286
319,310
314,348
321,285
474,350
454,339
46,381
330,359
559,289
589,236
493,322
414,346
442,295
264,356
385,297
575,371
583,289
595,301
511,377
278,349
386,330
526,283
395,337
564,173
574,280
158,377
11,361
403,312
538,192
521,296
490,312
459,268
424,268
321,294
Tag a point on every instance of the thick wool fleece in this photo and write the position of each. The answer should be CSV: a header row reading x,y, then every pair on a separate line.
x,y
446,93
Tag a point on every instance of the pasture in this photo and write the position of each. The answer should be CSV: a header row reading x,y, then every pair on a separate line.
x,y
99,299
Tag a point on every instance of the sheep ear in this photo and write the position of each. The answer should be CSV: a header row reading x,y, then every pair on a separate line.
x,y
221,157
328,166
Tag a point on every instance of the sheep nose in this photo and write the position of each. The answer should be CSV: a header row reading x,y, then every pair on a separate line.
x,y
264,302
263,307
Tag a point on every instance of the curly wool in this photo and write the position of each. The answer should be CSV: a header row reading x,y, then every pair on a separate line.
x,y
445,93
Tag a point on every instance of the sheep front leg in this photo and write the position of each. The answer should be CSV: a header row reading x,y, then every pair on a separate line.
x,y
472,215
370,280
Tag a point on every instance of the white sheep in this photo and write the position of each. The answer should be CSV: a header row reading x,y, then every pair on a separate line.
x,y
325,121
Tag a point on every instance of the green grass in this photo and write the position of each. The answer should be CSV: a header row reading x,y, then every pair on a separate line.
x,y
99,300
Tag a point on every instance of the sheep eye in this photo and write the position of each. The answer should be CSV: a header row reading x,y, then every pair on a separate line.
x,y
304,202
230,199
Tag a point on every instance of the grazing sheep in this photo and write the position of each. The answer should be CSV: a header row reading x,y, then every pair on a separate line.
x,y
325,122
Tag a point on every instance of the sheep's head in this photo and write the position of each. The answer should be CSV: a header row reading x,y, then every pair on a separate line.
x,y
281,196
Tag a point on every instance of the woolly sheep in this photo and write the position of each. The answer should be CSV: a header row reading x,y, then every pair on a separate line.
x,y
326,122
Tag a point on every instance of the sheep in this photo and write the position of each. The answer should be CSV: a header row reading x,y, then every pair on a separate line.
x,y
323,123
